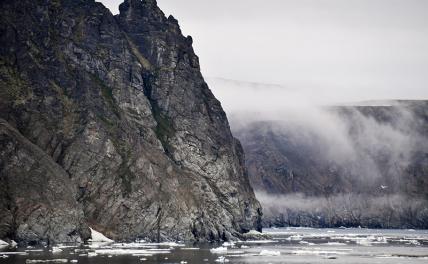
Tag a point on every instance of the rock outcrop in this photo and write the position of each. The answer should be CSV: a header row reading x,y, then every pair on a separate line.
x,y
107,122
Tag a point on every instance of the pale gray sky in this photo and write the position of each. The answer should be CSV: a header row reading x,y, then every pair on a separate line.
x,y
330,50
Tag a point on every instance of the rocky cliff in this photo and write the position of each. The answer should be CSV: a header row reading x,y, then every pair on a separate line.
x,y
106,121
342,166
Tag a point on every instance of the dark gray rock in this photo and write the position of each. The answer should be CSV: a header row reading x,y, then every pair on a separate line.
x,y
120,105
37,197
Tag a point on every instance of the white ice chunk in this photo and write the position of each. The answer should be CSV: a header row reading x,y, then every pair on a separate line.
x,y
219,250
254,232
46,260
221,259
269,253
15,253
98,237
134,252
56,250
335,244
228,244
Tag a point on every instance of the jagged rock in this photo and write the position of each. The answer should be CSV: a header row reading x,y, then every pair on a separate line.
x,y
37,198
120,106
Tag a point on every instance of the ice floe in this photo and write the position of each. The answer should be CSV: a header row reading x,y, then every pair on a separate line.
x,y
134,252
254,233
335,244
21,253
56,250
3,244
228,244
266,241
269,253
221,259
319,251
98,237
46,261
219,250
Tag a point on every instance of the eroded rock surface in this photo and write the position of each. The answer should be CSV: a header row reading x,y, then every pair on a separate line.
x,y
135,141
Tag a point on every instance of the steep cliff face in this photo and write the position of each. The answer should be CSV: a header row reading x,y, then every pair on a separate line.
x,y
129,131
356,165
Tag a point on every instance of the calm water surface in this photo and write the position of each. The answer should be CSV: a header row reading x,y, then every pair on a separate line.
x,y
287,245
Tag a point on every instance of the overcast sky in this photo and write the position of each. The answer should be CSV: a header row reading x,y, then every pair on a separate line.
x,y
329,50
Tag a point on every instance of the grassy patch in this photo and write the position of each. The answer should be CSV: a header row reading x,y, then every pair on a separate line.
x,y
144,62
164,129
13,88
107,94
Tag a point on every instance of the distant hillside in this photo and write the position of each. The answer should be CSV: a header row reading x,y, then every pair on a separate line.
x,y
345,165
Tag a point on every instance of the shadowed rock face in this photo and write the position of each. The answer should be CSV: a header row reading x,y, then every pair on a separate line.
x,y
114,113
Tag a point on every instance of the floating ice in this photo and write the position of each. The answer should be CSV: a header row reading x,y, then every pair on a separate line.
x,y
306,243
56,250
269,253
221,259
295,237
318,252
254,233
259,241
335,244
98,237
413,242
134,252
228,244
219,250
3,244
46,260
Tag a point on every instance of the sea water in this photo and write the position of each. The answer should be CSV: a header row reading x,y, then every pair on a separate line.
x,y
285,245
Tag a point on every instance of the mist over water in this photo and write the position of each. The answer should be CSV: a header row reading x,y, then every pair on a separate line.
x,y
360,163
